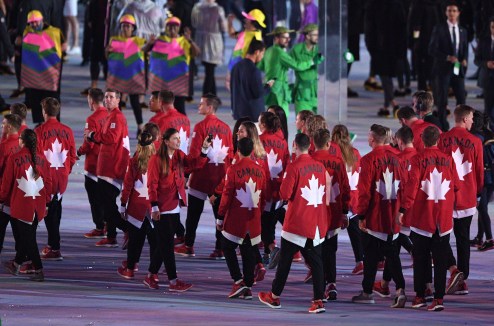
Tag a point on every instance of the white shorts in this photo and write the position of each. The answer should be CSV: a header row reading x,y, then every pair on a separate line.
x,y
70,8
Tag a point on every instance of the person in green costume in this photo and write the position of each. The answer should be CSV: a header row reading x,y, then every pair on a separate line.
x,y
305,88
275,65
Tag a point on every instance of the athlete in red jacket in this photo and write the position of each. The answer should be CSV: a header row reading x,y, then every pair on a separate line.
x,y
239,213
407,117
305,224
95,122
56,141
467,153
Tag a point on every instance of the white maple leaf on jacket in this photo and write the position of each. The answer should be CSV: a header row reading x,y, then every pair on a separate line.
x,y
388,187
142,186
30,186
250,196
463,168
353,179
275,165
217,152
314,192
184,141
56,156
126,143
435,188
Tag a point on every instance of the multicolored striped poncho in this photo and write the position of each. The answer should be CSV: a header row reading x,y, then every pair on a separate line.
x,y
41,58
126,69
169,65
240,50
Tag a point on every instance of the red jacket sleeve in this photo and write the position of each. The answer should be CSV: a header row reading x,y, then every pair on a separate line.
x,y
112,134
7,181
411,186
364,186
128,183
228,192
153,178
344,188
72,151
287,188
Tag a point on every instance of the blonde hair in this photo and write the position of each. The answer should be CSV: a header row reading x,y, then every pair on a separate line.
x,y
252,133
341,136
144,150
314,123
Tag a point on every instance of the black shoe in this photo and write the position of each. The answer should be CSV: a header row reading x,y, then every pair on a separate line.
x,y
351,93
476,242
481,95
16,93
383,112
408,91
84,63
144,105
122,105
400,92
372,86
6,70
487,245
395,111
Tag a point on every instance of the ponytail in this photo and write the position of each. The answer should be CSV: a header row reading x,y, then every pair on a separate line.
x,y
30,141
145,148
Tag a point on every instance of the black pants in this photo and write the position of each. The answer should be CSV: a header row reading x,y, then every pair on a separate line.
x,y
97,211
268,226
97,57
248,260
27,245
461,228
179,104
164,230
387,83
440,89
405,242
196,206
329,248
314,260
484,220
137,237
136,107
52,223
489,100
209,85
355,235
422,249
4,221
108,194
373,248
33,101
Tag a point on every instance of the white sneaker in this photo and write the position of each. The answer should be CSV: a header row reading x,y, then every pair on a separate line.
x,y
75,51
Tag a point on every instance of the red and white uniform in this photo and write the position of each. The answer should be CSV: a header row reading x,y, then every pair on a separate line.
x,y
379,184
418,128
467,153
167,192
337,187
353,173
242,201
114,152
56,141
94,122
19,132
156,120
24,195
334,149
429,194
277,159
135,195
8,147
174,119
304,187
406,156
202,182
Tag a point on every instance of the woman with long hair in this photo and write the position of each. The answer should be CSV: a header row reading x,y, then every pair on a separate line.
x,y
25,193
351,157
166,189
278,110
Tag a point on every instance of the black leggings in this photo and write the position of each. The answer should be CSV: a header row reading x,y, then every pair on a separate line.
x,y
164,230
194,211
209,85
484,220
137,238
52,222
248,253
27,245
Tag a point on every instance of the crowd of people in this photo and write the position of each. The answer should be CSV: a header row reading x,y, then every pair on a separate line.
x,y
412,190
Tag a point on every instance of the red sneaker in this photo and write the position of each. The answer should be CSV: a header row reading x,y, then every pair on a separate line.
x,y
331,292
107,242
297,257
178,241
462,288
45,250
437,305
237,290
185,251
179,286
155,277
136,265
52,255
247,294
378,289
217,254
95,234
151,283
454,280
317,307
359,269
259,272
27,268
126,273
429,295
267,299
418,302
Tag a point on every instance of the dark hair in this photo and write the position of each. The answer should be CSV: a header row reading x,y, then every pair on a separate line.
x,y
256,25
163,152
153,129
379,133
302,141
321,138
314,123
255,45
96,95
112,90
166,96
430,136
405,134
304,114
478,122
406,113
212,100
235,130
155,94
50,106
424,101
278,110
270,121
13,120
145,149
30,141
245,146
452,3
462,111
20,109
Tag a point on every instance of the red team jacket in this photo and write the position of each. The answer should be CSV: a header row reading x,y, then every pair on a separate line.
x,y
429,194
24,195
94,122
135,195
8,147
338,187
203,182
304,187
179,121
114,152
353,174
56,141
406,156
167,192
19,132
467,153
418,128
379,184
242,201
277,158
